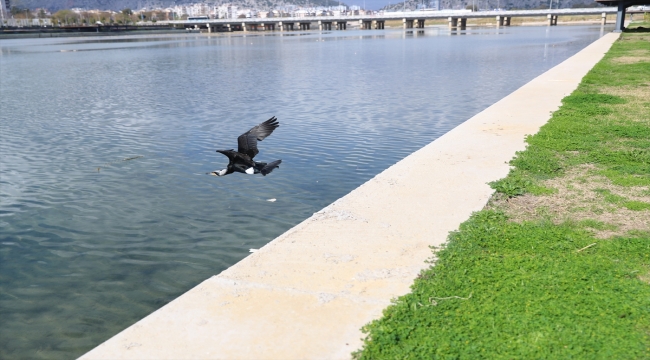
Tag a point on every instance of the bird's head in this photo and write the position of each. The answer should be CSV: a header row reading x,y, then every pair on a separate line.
x,y
219,172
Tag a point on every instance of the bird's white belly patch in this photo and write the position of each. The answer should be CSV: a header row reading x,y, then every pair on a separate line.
x,y
250,171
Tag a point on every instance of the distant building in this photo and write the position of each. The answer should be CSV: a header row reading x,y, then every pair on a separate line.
x,y
226,12
302,13
5,8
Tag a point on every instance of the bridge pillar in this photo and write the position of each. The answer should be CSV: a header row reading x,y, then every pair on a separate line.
x,y
499,20
507,20
603,20
620,17
463,23
324,25
408,24
379,24
341,25
420,23
209,28
453,22
552,19
243,27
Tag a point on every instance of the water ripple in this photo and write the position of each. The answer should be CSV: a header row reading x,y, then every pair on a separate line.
x,y
90,243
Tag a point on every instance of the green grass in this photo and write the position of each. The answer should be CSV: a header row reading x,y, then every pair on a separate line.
x,y
582,132
537,289
526,293
598,225
623,201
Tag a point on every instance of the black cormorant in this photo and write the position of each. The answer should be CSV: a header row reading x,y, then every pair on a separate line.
x,y
242,159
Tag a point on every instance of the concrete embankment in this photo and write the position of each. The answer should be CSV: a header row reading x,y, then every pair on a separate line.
x,y
307,293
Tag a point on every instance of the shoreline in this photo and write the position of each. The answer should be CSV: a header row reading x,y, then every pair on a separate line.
x,y
528,275
307,293
37,34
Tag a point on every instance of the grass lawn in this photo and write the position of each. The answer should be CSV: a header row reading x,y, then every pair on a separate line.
x,y
558,263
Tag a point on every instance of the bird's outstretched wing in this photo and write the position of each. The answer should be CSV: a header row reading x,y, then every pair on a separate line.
x,y
270,166
247,142
235,157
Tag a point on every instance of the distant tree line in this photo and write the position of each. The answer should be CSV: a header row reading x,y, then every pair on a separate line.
x,y
69,17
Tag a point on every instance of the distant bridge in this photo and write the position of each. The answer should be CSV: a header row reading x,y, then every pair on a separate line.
x,y
414,19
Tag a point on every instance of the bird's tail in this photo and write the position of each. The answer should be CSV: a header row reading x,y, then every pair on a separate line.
x,y
270,166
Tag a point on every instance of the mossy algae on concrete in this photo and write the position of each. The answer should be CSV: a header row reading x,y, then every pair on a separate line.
x,y
553,283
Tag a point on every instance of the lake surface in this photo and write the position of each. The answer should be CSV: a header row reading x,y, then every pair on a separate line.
x,y
91,242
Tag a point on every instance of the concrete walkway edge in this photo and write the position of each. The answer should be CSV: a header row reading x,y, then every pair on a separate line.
x,y
306,294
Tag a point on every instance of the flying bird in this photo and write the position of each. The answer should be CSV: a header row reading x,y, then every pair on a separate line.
x,y
242,159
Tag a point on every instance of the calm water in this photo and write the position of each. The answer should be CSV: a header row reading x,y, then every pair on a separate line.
x,y
85,253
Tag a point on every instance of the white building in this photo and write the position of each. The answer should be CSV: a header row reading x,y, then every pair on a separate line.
x,y
226,12
246,13
5,7
193,10
303,13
